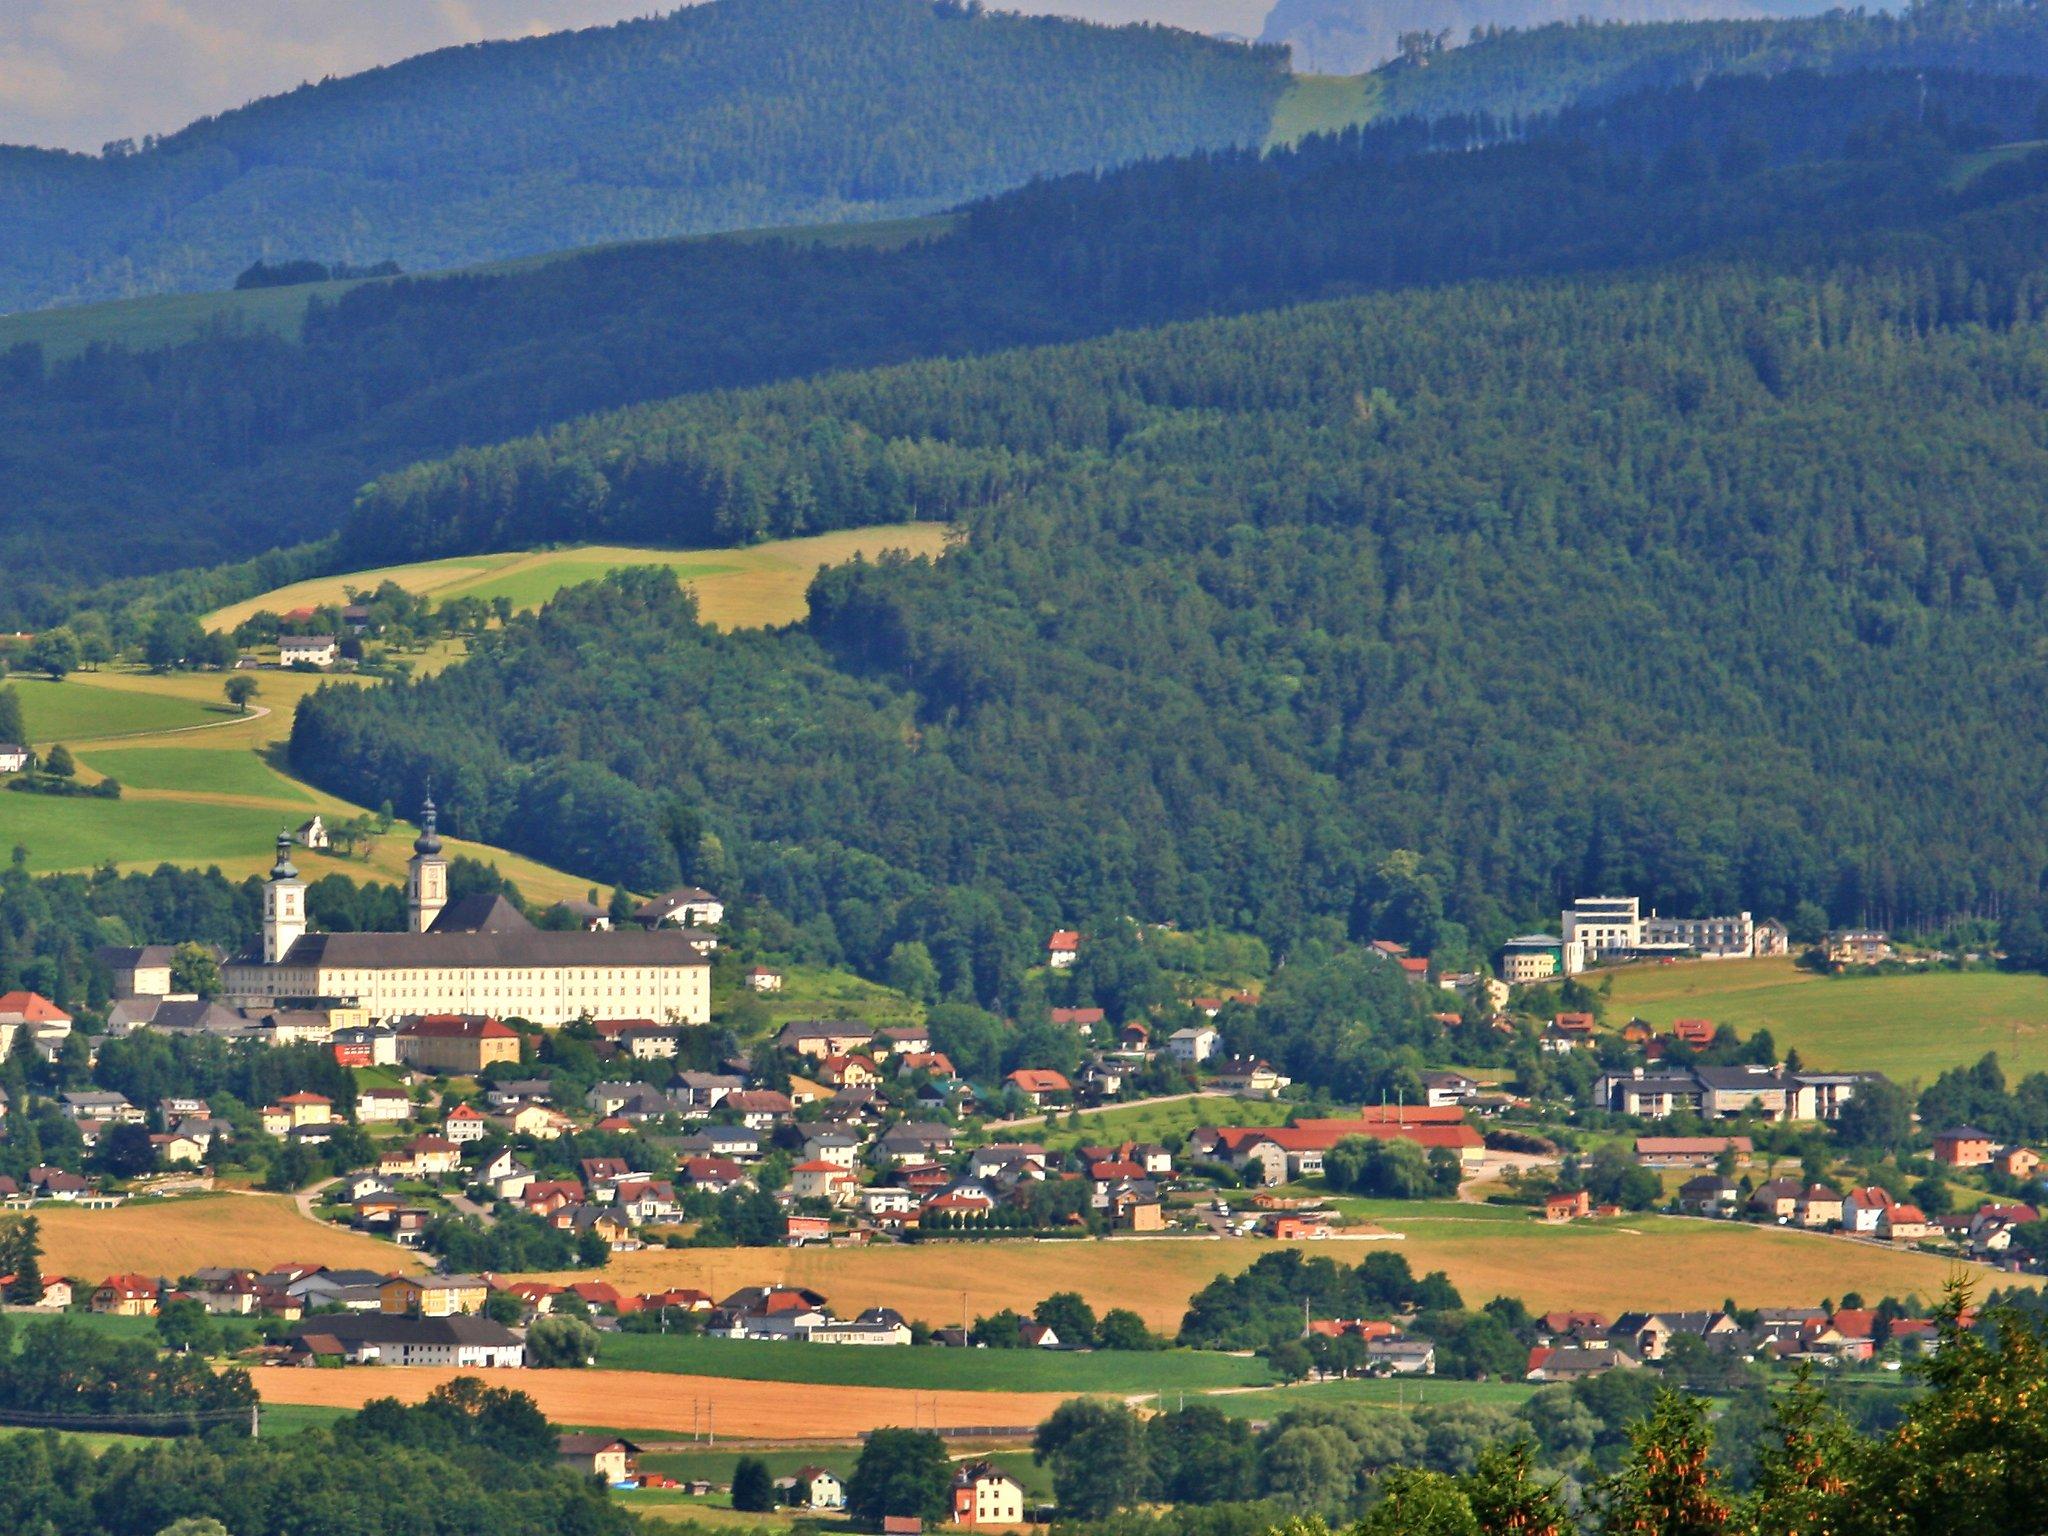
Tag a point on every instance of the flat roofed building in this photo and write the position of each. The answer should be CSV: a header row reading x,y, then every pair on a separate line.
x,y
1597,928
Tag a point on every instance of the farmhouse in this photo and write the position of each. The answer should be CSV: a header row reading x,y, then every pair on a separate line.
x,y
983,1494
138,971
604,1456
432,1295
378,1339
478,956
817,1488
126,1296
321,651
1964,1147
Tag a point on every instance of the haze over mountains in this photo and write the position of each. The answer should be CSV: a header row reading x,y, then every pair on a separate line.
x,y
1349,36
720,116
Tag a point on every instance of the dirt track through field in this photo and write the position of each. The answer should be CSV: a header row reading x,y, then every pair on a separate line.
x,y
651,1401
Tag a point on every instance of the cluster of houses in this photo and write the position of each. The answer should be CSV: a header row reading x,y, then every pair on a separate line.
x,y
1572,1345
1725,1092
982,1494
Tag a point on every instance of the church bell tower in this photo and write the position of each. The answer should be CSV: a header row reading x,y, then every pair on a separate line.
x,y
284,904
426,874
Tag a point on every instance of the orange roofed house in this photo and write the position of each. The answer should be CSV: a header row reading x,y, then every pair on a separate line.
x,y
125,1296
1040,1085
456,1042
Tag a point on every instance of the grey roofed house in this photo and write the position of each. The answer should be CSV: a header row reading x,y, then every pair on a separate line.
x,y
523,1090
920,1133
829,1137
703,1090
484,912
180,1016
83,1101
127,957
721,1141
458,1340
1571,1364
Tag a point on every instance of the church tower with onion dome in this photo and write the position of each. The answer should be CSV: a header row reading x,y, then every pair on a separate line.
x,y
426,874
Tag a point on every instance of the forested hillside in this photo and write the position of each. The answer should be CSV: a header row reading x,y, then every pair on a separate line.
x,y
125,463
1347,37
1718,583
723,115
1510,72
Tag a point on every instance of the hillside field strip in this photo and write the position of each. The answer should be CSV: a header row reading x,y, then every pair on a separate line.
x,y
736,588
1909,1027
650,1401
1610,1266
171,319
176,1236
201,783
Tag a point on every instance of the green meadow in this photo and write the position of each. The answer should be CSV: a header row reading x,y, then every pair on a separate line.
x,y
72,712
1907,1026
962,1370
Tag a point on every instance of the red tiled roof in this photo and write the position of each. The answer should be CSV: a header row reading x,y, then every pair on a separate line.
x,y
32,1008
1039,1080
455,1026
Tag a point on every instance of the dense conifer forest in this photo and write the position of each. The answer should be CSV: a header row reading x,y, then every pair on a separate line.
x,y
1572,584
126,462
736,114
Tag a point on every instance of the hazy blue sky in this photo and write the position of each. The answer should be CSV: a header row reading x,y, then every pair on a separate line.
x,y
76,73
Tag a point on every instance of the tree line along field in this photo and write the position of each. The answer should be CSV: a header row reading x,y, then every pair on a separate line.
x,y
978,1370
1909,1027
735,588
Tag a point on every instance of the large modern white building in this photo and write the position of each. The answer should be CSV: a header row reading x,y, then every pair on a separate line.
x,y
477,956
1599,930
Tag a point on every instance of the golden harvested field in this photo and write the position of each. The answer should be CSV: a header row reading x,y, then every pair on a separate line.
x,y
760,584
655,1401
1647,1261
174,1237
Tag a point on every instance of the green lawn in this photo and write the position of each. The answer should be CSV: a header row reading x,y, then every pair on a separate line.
x,y
81,833
1404,1392
72,711
1323,104
960,1370
532,585
1155,1122
194,768
118,1327
162,320
1906,1026
819,992
296,1418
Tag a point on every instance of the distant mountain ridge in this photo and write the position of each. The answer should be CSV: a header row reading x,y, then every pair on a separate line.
x,y
1347,37
725,115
